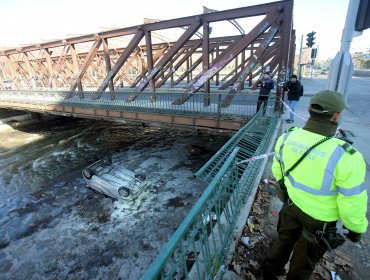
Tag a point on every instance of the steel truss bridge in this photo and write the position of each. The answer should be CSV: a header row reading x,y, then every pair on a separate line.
x,y
129,64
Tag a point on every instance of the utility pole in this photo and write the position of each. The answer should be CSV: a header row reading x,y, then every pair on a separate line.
x,y
299,60
313,57
311,70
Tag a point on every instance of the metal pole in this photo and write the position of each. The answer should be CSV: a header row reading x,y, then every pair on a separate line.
x,y
336,80
347,36
341,69
312,63
299,59
349,27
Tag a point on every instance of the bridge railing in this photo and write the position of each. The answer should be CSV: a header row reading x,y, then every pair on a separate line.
x,y
243,105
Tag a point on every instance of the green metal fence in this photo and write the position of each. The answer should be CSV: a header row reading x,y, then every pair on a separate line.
x,y
252,139
198,247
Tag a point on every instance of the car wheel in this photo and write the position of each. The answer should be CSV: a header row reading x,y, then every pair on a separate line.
x,y
141,177
88,173
124,192
107,160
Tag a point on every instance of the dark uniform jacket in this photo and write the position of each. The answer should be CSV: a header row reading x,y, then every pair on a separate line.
x,y
295,90
266,86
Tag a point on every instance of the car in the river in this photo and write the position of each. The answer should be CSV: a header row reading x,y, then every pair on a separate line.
x,y
114,180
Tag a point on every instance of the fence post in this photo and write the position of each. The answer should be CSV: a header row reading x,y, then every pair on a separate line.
x,y
219,107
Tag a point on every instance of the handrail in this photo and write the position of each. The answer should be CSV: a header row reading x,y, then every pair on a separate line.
x,y
243,105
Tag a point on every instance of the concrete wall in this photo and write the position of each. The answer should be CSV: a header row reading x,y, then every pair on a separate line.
x,y
361,73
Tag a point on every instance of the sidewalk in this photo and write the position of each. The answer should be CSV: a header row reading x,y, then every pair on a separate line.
x,y
352,260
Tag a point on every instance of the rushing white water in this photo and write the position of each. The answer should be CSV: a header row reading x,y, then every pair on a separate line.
x,y
53,227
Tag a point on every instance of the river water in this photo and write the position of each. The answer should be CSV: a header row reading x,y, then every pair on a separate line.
x,y
53,227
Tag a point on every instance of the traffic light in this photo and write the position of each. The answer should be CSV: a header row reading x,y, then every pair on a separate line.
x,y
363,16
310,38
313,53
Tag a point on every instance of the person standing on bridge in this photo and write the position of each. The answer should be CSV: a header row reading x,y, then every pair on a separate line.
x,y
295,91
322,180
266,85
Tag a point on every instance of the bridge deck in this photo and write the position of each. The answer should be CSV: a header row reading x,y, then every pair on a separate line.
x,y
83,104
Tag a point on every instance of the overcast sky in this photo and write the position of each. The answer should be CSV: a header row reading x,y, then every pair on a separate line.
x,y
31,21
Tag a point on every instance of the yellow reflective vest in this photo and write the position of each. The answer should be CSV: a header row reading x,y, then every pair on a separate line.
x,y
329,183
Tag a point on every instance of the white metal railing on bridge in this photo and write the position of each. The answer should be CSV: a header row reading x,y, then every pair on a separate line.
x,y
242,105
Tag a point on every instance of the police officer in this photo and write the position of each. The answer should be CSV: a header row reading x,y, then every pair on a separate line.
x,y
327,185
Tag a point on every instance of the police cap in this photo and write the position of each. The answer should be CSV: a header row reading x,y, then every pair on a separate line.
x,y
327,102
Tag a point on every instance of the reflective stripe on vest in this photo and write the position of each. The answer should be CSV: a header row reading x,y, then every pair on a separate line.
x,y
352,191
310,190
328,176
330,168
279,159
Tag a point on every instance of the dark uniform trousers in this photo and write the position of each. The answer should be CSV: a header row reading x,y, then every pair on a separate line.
x,y
306,253
262,100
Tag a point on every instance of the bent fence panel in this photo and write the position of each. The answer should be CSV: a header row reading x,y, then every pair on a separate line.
x,y
202,238
198,247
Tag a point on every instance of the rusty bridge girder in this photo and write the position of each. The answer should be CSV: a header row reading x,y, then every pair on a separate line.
x,y
142,58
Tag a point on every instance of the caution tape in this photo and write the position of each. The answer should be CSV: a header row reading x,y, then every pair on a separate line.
x,y
337,133
256,157
271,154
291,111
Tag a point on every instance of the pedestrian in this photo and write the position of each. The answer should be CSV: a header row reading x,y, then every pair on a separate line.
x,y
295,91
266,85
323,187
